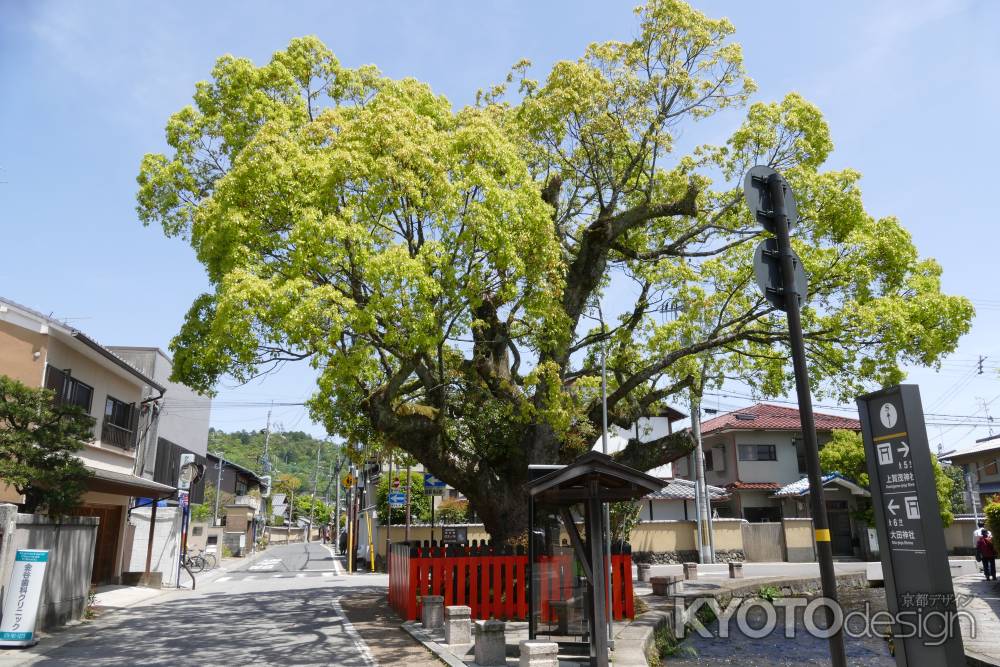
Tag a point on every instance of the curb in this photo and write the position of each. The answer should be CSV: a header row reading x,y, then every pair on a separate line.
x,y
438,650
633,642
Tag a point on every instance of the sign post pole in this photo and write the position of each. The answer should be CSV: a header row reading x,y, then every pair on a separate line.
x,y
773,204
910,533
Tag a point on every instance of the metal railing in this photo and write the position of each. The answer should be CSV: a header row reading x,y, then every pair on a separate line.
x,y
117,436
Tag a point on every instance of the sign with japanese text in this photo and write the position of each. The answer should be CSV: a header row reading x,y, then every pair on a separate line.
x,y
910,532
20,604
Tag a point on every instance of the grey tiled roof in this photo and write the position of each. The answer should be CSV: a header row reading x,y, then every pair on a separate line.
x,y
683,489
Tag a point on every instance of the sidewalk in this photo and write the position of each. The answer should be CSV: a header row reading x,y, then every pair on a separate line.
x,y
984,604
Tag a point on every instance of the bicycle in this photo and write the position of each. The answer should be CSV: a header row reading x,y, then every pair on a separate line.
x,y
211,560
194,563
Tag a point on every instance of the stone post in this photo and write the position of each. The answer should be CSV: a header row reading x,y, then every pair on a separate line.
x,y
491,645
643,570
432,611
8,525
736,570
457,625
691,571
536,653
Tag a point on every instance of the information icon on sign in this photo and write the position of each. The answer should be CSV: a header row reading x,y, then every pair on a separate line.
x,y
912,507
884,453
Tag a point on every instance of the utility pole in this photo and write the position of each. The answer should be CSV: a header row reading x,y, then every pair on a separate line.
x,y
312,504
336,511
407,503
604,448
706,549
780,275
218,489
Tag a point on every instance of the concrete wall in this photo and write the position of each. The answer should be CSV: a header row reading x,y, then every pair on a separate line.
x,y
664,536
70,542
958,536
285,535
664,510
166,542
800,546
18,350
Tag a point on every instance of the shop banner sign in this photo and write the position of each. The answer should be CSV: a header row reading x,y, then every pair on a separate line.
x,y
24,590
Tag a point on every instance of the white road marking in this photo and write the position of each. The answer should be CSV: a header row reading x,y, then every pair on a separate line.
x,y
327,574
299,575
363,651
223,579
336,563
268,564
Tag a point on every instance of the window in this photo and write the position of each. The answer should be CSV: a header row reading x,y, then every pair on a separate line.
x,y
119,423
991,467
69,390
241,487
708,460
758,453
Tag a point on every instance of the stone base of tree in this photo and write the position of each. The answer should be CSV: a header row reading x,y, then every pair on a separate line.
x,y
687,556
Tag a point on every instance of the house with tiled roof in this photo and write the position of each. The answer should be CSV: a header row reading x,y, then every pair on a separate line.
x,y
756,452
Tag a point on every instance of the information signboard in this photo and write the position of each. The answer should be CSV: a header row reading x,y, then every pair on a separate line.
x,y
454,534
20,604
919,591
397,499
432,485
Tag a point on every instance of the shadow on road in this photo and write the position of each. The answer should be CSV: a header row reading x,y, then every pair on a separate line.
x,y
289,627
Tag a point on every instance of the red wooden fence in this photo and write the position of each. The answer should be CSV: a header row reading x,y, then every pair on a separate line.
x,y
491,581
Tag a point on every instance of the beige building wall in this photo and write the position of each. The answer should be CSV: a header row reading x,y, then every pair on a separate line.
x,y
105,382
22,354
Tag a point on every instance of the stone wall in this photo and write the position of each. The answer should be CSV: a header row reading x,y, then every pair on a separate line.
x,y
70,543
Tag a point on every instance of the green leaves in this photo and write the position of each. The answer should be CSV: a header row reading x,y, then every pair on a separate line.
x,y
38,442
435,265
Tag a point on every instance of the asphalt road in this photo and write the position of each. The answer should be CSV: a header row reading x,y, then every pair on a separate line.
x,y
286,608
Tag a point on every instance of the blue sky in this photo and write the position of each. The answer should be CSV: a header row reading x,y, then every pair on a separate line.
x,y
909,90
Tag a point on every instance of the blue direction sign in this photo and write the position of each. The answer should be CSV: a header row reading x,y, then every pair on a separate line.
x,y
433,485
397,499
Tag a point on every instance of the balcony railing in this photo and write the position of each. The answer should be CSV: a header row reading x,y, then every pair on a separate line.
x,y
117,436
248,501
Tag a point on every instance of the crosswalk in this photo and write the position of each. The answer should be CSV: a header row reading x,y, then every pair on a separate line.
x,y
284,575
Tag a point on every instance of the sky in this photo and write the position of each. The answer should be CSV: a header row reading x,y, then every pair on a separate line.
x,y
908,88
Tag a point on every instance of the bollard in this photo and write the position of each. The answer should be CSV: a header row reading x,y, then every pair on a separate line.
x,y
691,571
736,570
491,644
643,570
536,653
457,625
670,585
432,613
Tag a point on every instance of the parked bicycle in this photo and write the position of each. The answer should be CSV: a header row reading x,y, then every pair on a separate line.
x,y
194,562
206,559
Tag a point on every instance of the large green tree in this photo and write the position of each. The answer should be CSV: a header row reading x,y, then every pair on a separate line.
x,y
442,268
39,439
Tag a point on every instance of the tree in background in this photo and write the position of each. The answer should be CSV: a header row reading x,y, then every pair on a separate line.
x,y
322,515
443,268
992,515
452,510
420,503
845,453
38,442
289,485
957,477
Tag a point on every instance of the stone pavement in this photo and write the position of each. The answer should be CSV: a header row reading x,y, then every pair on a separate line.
x,y
983,603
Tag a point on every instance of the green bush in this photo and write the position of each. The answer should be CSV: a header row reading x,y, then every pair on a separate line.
x,y
453,510
992,512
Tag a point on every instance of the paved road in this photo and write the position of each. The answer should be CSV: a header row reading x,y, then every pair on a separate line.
x,y
286,608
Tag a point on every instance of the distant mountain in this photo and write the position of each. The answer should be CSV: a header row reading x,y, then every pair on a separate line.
x,y
290,452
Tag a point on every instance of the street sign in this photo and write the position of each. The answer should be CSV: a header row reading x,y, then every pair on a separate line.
x,y
910,534
395,483
183,499
767,272
348,480
455,535
397,499
20,603
759,200
432,485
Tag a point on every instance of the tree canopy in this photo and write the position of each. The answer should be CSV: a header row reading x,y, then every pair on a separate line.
x,y
39,439
447,271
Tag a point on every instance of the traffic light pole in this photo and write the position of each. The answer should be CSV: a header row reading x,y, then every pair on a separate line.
x,y
824,549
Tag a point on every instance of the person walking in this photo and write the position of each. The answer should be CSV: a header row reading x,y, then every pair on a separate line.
x,y
987,553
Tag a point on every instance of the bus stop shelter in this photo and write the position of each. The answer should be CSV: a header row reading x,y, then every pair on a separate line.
x,y
568,573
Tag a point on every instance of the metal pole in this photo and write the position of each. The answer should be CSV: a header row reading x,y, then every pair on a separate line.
x,y
407,504
972,497
796,340
265,462
606,515
388,517
312,504
218,489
